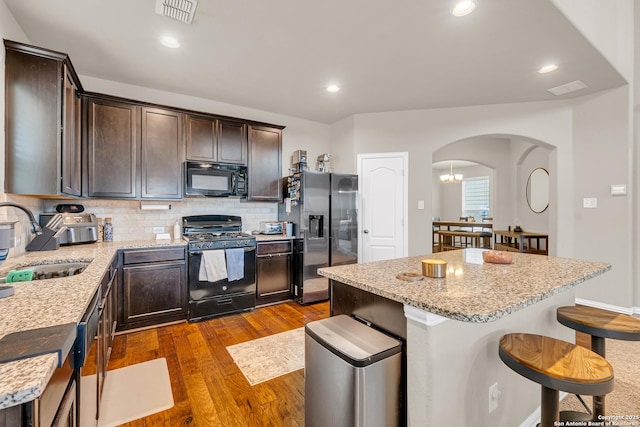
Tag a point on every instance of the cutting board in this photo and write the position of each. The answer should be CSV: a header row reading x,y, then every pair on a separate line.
x,y
36,342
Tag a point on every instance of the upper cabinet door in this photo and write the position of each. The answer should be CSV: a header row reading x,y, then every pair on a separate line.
x,y
162,154
201,139
71,155
112,148
265,164
216,140
42,122
232,142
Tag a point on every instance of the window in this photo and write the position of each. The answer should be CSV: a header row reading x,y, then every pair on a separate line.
x,y
475,197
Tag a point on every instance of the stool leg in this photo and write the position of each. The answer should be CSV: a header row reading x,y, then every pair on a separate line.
x,y
598,346
550,407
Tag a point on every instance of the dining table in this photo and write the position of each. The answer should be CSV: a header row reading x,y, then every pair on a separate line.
x,y
452,235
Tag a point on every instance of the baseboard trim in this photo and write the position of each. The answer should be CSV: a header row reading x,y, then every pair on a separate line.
x,y
533,419
610,307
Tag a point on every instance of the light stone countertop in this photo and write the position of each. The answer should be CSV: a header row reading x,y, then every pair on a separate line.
x,y
270,237
472,291
50,302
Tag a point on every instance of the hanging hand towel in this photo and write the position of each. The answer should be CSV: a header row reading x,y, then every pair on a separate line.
x,y
235,263
212,266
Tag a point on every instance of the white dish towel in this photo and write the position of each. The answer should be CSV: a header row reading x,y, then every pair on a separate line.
x,y
213,266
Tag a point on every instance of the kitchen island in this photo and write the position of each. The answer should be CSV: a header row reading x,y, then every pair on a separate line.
x,y
452,326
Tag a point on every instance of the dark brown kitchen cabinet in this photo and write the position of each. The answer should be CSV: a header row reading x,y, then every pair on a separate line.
x,y
273,271
153,288
106,325
162,154
265,163
216,140
42,119
71,156
113,143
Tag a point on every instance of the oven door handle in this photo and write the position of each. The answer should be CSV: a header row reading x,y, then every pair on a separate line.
x,y
247,249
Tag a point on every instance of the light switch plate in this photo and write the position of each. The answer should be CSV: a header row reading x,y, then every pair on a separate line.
x,y
420,204
618,189
590,202
157,230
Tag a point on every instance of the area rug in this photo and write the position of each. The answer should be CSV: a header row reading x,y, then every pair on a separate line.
x,y
129,393
624,400
269,357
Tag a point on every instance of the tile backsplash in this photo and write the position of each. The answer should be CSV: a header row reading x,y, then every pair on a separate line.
x,y
132,223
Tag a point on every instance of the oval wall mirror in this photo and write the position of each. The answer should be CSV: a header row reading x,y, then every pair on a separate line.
x,y
538,190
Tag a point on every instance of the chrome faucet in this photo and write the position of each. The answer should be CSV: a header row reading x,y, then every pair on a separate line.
x,y
44,240
37,230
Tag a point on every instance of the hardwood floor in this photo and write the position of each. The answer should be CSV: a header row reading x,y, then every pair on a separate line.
x,y
208,388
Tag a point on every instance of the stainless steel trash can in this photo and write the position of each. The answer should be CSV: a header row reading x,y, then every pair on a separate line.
x,y
352,375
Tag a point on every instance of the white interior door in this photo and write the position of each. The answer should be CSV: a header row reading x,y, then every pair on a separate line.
x,y
383,206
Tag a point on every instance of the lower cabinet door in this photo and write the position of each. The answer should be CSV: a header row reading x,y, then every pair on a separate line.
x,y
153,293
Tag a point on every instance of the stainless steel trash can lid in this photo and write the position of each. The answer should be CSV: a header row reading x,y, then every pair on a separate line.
x,y
353,341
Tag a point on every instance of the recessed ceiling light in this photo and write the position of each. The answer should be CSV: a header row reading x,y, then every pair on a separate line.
x,y
548,68
170,42
464,7
333,88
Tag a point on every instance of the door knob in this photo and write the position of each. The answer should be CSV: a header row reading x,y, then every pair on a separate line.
x,y
365,231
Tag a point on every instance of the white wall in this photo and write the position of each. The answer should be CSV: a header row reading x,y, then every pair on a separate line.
x,y
537,157
421,132
344,159
608,25
602,143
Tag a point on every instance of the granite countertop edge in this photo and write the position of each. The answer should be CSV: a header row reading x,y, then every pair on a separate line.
x,y
446,310
53,302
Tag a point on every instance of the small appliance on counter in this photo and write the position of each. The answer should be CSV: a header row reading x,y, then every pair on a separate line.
x,y
79,227
271,227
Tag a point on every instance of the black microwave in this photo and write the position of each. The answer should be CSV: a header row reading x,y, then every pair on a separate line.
x,y
204,179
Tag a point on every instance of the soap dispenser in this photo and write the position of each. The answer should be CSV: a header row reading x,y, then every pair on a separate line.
x,y
176,231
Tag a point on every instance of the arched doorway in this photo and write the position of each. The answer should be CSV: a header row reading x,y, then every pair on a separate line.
x,y
508,161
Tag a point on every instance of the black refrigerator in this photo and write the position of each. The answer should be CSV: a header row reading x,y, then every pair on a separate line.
x,y
323,208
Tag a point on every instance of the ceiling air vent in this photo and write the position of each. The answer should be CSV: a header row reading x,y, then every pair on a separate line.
x,y
567,88
180,10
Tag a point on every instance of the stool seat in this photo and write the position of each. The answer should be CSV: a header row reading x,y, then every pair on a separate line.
x,y
599,323
556,364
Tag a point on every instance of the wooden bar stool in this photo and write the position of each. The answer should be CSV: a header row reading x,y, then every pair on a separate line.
x,y
557,366
600,324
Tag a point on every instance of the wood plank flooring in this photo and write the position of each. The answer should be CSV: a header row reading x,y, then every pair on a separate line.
x,y
208,388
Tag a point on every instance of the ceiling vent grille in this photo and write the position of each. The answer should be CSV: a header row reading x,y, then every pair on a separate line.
x,y
180,10
567,88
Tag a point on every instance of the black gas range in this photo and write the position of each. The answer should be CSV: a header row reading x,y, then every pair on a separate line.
x,y
222,266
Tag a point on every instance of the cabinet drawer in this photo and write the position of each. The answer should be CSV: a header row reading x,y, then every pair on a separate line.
x,y
283,247
153,255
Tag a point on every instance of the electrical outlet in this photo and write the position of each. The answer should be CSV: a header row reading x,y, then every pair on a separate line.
x,y
157,230
494,396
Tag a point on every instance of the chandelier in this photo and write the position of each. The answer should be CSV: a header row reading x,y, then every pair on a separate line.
x,y
451,178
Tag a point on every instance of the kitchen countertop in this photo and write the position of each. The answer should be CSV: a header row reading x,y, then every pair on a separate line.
x,y
473,291
52,302
269,237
